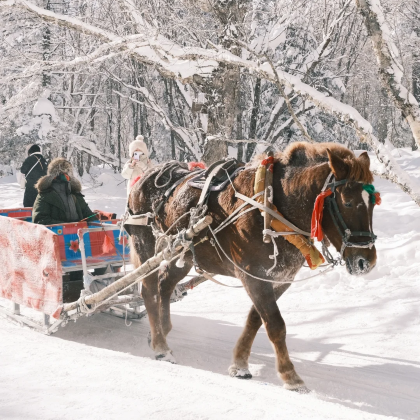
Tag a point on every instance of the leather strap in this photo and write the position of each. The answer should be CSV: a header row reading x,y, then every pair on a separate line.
x,y
208,182
272,213
170,190
38,161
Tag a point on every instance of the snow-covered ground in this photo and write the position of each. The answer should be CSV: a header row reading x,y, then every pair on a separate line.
x,y
354,340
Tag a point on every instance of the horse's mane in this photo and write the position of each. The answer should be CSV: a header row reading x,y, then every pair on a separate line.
x,y
306,161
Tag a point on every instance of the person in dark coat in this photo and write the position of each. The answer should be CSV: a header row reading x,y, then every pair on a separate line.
x,y
33,168
59,197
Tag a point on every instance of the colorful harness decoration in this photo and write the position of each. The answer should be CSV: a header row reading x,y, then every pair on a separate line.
x,y
375,196
312,256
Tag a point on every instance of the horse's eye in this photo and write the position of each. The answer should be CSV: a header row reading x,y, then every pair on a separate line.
x,y
347,205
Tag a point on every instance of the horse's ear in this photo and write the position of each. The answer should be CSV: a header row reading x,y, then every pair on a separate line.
x,y
364,159
337,165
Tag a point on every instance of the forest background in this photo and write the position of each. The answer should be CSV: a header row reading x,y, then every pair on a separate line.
x,y
204,79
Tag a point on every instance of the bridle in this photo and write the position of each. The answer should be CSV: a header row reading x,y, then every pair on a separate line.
x,y
339,222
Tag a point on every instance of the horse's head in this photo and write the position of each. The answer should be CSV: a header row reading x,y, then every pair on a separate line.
x,y
348,212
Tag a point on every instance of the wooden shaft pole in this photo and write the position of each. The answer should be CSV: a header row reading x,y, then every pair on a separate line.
x,y
144,269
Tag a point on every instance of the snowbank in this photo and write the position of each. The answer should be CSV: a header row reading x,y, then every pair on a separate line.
x,y
354,340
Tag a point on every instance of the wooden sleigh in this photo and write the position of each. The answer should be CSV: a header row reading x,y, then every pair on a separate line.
x,y
49,268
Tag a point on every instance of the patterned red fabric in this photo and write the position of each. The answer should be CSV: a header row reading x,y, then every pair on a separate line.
x,y
316,223
378,199
30,266
193,165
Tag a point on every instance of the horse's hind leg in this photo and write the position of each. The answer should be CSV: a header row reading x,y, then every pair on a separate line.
x,y
240,367
263,297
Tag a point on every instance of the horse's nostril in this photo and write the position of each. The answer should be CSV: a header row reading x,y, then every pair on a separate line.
x,y
362,264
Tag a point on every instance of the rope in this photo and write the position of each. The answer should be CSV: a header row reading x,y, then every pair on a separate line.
x,y
211,278
329,268
84,308
270,233
125,321
176,221
272,213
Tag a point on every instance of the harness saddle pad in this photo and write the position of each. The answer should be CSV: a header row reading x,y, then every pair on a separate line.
x,y
220,179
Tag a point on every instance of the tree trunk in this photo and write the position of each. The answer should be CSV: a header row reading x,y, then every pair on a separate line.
x,y
171,110
390,70
239,127
221,119
222,90
119,129
46,47
80,163
254,119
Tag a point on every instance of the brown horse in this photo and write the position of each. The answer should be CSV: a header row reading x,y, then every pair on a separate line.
x,y
299,175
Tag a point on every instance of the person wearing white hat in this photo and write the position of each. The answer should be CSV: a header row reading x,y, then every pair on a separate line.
x,y
138,163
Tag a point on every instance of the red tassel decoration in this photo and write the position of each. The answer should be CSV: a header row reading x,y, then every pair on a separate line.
x,y
316,222
193,165
107,246
378,199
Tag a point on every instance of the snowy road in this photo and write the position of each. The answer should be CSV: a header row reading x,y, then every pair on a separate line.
x,y
354,340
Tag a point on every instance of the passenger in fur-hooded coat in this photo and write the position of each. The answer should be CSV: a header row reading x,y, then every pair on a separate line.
x,y
59,197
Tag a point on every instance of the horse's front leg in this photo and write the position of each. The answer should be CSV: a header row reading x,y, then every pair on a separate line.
x,y
240,366
152,301
263,297
142,245
168,280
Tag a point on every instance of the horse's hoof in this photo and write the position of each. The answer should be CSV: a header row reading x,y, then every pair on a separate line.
x,y
299,388
235,372
166,357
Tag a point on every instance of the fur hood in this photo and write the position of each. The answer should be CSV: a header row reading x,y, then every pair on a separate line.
x,y
45,182
59,165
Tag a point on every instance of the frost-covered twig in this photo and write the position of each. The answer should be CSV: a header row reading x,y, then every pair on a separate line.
x,y
237,141
85,145
152,104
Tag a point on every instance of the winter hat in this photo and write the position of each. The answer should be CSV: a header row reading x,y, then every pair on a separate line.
x,y
138,143
60,165
34,149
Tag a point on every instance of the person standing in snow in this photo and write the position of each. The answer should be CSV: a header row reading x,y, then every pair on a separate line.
x,y
33,168
138,163
59,197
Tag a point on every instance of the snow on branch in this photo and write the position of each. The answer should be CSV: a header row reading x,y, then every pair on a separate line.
x,y
85,145
167,57
183,63
390,68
